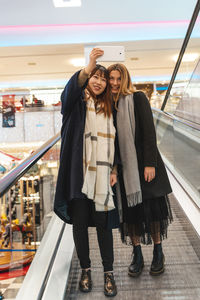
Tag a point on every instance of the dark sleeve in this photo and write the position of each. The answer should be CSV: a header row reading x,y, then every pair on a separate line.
x,y
71,94
117,159
145,116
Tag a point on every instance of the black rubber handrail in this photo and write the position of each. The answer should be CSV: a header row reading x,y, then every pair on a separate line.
x,y
15,174
183,48
173,117
50,266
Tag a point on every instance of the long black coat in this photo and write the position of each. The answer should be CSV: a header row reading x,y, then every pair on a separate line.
x,y
70,174
147,151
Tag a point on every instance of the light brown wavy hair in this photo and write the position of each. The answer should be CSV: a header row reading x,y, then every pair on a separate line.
x,y
126,87
104,100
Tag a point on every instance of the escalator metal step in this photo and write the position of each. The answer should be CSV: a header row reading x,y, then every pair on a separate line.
x,y
181,279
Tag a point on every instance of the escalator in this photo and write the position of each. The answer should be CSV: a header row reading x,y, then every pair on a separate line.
x,y
54,272
30,229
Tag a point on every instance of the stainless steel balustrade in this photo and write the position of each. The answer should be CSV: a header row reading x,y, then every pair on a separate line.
x,y
179,144
12,177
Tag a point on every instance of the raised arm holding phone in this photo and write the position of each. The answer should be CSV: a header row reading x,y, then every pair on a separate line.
x,y
84,195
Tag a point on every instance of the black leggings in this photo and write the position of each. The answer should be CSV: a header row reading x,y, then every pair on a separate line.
x,y
83,211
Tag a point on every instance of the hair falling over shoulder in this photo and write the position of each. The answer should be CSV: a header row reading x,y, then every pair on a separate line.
x,y
103,101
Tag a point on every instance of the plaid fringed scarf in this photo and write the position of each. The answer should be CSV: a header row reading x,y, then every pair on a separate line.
x,y
98,157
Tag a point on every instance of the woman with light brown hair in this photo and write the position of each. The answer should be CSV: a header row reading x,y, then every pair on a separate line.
x,y
143,184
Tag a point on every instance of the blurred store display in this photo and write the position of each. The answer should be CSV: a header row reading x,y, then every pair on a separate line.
x,y
8,111
7,162
25,212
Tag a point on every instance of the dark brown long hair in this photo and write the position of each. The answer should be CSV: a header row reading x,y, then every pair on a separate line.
x,y
102,101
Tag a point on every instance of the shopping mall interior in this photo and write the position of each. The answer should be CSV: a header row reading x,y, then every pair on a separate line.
x,y
42,44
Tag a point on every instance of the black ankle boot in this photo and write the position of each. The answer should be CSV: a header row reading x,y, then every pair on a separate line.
x,y
157,265
110,289
85,283
137,263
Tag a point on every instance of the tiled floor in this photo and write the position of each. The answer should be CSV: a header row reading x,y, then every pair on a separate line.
x,y
10,287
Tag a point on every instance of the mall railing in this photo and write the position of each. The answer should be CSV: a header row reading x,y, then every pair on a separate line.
x,y
15,174
26,205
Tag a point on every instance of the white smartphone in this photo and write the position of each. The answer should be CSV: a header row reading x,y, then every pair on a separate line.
x,y
111,53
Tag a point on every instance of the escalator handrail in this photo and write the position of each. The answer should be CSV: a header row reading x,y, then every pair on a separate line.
x,y
182,51
174,118
15,174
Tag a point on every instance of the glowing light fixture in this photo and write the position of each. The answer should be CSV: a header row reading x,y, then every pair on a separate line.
x,y
188,57
52,164
78,62
67,3
31,63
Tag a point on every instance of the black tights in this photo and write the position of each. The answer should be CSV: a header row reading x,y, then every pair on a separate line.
x,y
83,210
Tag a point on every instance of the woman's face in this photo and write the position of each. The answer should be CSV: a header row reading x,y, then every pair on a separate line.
x,y
115,81
97,83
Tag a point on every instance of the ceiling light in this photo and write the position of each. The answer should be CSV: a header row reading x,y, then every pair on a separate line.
x,y
188,57
67,3
78,62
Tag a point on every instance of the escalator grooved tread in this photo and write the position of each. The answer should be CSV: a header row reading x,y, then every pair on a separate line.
x,y
182,267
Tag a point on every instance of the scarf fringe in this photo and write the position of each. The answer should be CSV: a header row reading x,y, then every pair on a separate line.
x,y
134,199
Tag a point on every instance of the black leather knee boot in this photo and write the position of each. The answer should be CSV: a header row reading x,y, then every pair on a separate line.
x,y
137,263
157,265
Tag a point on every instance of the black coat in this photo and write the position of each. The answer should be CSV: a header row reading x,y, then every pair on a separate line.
x,y
70,174
147,151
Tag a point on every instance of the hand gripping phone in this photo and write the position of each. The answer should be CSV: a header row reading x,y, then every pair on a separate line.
x,y
111,53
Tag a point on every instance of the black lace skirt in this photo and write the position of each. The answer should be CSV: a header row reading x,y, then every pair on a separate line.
x,y
151,217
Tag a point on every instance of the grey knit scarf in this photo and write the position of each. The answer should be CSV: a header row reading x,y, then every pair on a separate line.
x,y
126,136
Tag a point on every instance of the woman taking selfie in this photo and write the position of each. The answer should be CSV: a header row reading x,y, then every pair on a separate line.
x,y
143,183
84,195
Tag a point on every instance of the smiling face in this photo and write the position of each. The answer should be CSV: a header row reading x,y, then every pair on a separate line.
x,y
115,81
97,83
